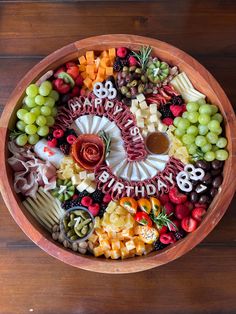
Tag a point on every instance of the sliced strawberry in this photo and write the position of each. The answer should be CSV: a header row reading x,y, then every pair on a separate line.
x,y
70,64
79,81
168,121
73,71
164,199
198,213
167,238
200,205
189,205
176,197
181,211
189,224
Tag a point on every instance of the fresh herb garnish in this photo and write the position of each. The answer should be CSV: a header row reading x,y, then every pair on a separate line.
x,y
199,155
143,56
163,220
14,133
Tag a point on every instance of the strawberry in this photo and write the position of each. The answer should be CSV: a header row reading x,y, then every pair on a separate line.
x,y
75,91
94,209
198,213
167,238
176,110
189,224
168,121
133,61
164,198
121,52
70,64
176,197
79,81
181,211
169,208
73,71
86,201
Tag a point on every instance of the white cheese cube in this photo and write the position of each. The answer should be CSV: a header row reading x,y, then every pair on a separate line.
x,y
140,97
83,175
91,188
138,113
158,114
144,133
83,185
75,179
133,109
140,123
91,176
153,108
162,127
144,113
153,118
134,103
143,105
151,127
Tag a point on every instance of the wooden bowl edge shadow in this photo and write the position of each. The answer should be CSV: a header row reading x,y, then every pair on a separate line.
x,y
33,231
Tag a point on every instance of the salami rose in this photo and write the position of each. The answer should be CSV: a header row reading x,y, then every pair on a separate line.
x,y
88,151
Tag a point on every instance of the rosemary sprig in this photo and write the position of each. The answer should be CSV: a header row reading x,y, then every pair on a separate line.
x,y
163,220
143,56
107,141
14,133
198,155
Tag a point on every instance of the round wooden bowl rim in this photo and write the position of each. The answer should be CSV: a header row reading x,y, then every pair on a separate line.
x,y
217,208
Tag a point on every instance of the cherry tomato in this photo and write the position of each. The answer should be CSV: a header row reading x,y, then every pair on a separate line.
x,y
143,219
130,204
145,205
156,206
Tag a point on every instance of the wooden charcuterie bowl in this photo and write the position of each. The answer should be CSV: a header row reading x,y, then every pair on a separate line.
x,y
201,79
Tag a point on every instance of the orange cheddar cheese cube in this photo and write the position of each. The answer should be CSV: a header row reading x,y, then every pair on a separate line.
x,y
112,53
109,71
82,67
88,82
90,56
82,60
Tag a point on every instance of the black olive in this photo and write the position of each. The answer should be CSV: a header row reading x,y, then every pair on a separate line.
x,y
203,164
194,197
217,181
207,179
217,164
216,172
213,192
199,188
203,199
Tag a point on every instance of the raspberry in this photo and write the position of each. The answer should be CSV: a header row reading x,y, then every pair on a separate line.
x,y
79,81
169,208
106,198
164,199
71,139
52,143
75,91
133,61
163,229
94,209
168,121
181,211
58,133
167,238
86,201
176,110
121,52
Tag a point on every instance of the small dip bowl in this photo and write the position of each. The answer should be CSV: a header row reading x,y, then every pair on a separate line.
x,y
157,143
77,224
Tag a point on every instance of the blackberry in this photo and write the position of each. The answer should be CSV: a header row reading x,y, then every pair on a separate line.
x,y
97,196
70,132
177,100
117,65
159,246
70,203
124,62
179,234
65,148
82,194
50,137
102,210
165,111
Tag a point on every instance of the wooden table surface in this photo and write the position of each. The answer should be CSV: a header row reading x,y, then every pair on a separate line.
x,y
202,281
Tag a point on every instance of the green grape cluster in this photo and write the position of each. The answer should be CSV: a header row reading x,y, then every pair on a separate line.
x,y
37,113
200,129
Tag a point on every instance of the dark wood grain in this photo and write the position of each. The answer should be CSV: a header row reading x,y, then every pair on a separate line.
x,y
203,281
